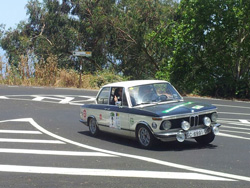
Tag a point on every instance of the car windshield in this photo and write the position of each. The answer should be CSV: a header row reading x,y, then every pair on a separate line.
x,y
153,93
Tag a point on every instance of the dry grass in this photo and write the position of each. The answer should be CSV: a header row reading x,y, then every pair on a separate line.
x,y
44,73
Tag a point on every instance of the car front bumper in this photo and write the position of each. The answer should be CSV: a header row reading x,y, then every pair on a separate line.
x,y
171,136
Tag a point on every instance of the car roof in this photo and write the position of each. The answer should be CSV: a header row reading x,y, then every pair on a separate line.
x,y
132,83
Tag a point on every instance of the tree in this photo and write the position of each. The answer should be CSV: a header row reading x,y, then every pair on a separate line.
x,y
211,48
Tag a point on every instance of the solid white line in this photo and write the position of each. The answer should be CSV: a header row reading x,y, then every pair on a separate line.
x,y
110,173
233,136
20,132
147,159
52,152
31,141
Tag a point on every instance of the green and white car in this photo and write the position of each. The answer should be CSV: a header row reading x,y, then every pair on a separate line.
x,y
149,110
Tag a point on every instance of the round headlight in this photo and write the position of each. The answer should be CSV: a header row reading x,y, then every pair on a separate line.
x,y
166,125
180,136
216,130
214,117
207,121
185,125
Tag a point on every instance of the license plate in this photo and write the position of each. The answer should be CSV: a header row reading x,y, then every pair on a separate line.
x,y
195,133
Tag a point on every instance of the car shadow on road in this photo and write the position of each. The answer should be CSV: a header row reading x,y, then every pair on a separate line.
x,y
159,146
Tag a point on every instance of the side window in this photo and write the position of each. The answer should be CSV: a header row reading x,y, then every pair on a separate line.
x,y
118,96
103,97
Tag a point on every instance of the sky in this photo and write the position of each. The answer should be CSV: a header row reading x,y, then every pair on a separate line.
x,y
11,13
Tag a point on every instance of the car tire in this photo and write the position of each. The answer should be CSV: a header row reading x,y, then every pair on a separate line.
x,y
145,137
206,139
93,128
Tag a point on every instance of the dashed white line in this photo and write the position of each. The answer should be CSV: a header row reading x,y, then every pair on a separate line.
x,y
110,173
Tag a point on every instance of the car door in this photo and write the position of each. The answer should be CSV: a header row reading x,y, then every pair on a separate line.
x,y
118,116
101,111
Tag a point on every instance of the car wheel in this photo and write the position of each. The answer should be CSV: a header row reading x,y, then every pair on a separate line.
x,y
145,137
93,128
206,139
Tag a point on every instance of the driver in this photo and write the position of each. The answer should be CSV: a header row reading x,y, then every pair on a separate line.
x,y
147,93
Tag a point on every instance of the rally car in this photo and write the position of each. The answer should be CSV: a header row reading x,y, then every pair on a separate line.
x,y
149,111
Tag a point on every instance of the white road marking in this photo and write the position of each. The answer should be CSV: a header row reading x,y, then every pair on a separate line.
x,y
31,141
147,159
62,99
244,121
238,128
243,114
229,106
235,123
3,97
52,152
110,173
235,131
19,132
233,136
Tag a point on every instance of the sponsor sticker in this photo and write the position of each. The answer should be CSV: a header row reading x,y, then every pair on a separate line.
x,y
84,114
197,107
175,107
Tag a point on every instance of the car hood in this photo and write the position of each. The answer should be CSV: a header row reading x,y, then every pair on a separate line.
x,y
178,108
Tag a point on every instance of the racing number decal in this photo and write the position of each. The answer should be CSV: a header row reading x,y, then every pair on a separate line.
x,y
84,114
115,121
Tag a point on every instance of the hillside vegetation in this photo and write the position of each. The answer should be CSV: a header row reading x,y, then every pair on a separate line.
x,y
201,47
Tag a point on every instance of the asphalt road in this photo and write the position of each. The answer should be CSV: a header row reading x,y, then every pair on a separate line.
x,y
44,145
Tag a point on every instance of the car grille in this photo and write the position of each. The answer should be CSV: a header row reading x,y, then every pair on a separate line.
x,y
194,120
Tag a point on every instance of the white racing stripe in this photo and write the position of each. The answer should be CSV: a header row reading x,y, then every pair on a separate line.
x,y
147,159
110,173
31,141
52,152
20,132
